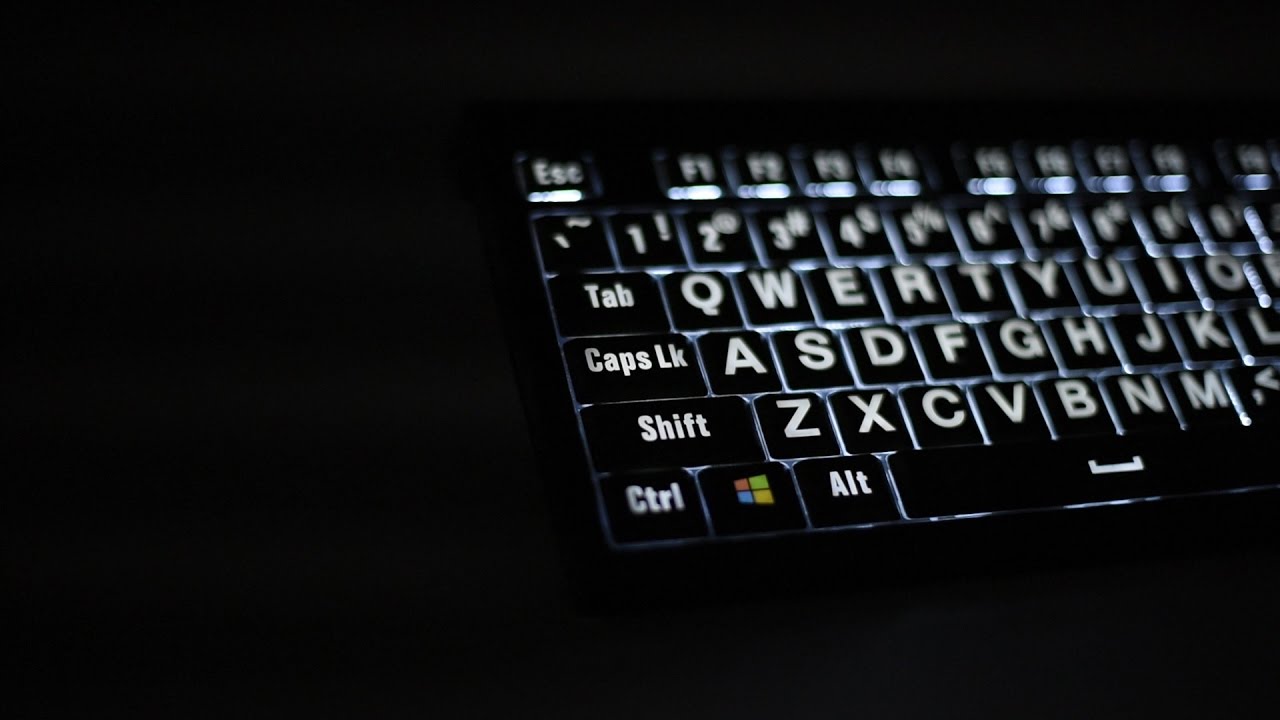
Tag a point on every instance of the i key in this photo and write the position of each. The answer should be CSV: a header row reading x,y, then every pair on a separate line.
x,y
646,239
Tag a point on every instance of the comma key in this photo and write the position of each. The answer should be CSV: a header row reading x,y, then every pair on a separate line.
x,y
674,433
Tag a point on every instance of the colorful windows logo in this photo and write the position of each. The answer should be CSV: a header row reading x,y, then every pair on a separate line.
x,y
754,490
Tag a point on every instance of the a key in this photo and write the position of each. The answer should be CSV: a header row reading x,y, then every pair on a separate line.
x,y
670,433
638,367
738,363
607,303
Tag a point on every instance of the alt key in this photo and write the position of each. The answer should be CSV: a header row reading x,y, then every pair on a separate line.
x,y
845,491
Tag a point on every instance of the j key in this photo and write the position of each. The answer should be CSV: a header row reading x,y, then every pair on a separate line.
x,y
1259,391
572,242
700,301
651,506
1260,330
1205,337
1165,166
812,359
914,291
883,355
959,481
1107,167
719,236
1112,225
989,227
1043,285
1140,403
1048,168
941,416
670,433
553,177
1224,277
1010,412
795,426
951,350
924,229
1165,280
896,171
831,172
738,363
763,170
844,294
1247,164
1224,221
1075,407
1051,226
845,491
986,169
774,296
859,232
642,367
1018,347
870,421
1106,281
1145,340
608,303
1082,343
978,288
751,498
1202,396
789,234
646,239
692,175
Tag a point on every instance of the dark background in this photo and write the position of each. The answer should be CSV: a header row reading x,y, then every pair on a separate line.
x,y
269,454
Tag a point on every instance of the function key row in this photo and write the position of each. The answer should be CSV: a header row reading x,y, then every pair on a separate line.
x,y
862,230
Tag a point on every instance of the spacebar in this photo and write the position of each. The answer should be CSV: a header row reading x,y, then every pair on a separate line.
x,y
966,480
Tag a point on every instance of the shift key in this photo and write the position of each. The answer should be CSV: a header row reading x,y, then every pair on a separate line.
x,y
672,433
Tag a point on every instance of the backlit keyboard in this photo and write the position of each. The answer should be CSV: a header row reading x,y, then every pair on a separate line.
x,y
779,335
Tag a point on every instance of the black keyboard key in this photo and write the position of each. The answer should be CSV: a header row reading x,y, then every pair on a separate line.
x,y
883,355
1018,347
1165,280
1247,164
1225,222
751,498
1145,340
1268,267
789,234
646,239
670,433
844,294
1106,281
858,231
556,178
1268,220
607,303
870,421
986,169
812,359
1165,166
701,301
1112,224
831,172
1043,285
1224,277
1075,407
1048,167
960,481
1010,412
639,367
1259,392
1107,167
1260,330
896,171
845,491
774,296
691,175
1140,403
763,173
952,350
644,507
572,242
719,236
1051,226
1202,396
941,416
1205,337
795,426
989,228
924,229
978,288
1169,221
1083,343
738,363
914,291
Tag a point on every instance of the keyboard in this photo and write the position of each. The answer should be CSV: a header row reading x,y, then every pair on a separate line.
x,y
774,334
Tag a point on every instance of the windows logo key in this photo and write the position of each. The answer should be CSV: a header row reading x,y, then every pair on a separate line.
x,y
754,490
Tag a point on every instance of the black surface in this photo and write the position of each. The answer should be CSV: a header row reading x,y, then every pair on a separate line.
x,y
269,455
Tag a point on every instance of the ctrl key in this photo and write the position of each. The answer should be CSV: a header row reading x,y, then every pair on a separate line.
x,y
644,507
